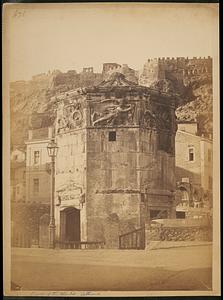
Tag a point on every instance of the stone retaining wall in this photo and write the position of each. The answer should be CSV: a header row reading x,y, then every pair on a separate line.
x,y
195,233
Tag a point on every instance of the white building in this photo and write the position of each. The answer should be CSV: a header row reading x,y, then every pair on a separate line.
x,y
193,167
18,175
38,166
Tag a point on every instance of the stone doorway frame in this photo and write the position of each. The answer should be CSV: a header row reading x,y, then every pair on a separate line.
x,y
63,222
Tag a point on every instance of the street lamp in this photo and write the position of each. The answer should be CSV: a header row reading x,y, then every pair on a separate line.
x,y
52,150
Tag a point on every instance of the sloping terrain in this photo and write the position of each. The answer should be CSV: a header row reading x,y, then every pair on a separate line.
x,y
30,101
31,106
201,107
26,98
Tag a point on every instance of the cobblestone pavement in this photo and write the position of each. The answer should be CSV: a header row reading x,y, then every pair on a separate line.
x,y
185,268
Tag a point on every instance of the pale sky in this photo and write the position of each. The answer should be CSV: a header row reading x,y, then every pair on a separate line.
x,y
73,36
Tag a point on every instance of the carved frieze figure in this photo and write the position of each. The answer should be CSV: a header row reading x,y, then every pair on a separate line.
x,y
149,116
62,125
77,118
69,117
115,114
163,117
60,108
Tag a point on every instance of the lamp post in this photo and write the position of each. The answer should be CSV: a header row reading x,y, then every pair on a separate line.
x,y
52,149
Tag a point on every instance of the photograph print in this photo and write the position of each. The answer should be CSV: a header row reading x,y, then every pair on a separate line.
x,y
111,149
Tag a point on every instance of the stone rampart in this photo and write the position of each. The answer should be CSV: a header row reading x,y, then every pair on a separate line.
x,y
196,230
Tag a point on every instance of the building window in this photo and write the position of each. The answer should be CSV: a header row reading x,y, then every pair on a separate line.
x,y
191,154
180,214
209,155
36,157
35,185
112,136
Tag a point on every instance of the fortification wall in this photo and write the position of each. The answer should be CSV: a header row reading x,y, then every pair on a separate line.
x,y
179,68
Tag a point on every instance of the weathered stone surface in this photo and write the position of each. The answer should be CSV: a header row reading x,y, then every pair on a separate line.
x,y
191,79
180,230
179,234
34,96
117,162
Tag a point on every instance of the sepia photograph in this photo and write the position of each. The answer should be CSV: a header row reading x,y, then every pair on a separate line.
x,y
111,149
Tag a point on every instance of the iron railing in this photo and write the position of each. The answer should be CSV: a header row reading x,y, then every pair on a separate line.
x,y
133,240
79,245
21,240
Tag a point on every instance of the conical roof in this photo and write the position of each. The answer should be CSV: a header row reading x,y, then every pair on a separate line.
x,y
118,82
117,79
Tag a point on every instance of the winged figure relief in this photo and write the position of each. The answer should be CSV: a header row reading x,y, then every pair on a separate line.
x,y
115,114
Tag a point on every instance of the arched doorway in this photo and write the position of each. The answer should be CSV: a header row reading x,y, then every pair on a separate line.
x,y
70,224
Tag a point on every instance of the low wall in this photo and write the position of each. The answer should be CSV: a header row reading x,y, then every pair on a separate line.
x,y
193,230
25,219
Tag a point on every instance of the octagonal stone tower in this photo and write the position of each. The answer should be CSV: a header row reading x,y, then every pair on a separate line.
x,y
115,168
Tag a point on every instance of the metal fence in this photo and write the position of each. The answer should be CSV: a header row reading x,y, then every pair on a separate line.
x,y
21,239
133,240
79,245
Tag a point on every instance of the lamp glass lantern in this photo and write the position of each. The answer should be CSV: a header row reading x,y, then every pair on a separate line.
x,y
52,148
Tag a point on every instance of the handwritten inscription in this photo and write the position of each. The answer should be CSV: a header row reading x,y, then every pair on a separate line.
x,y
74,293
19,13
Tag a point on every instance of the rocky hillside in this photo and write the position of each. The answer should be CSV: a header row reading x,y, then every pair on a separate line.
x,y
200,106
26,97
31,105
196,99
30,101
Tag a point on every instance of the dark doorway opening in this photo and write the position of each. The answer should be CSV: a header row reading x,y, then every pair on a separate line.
x,y
71,224
112,136
180,214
